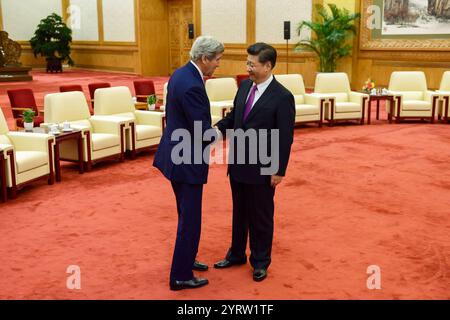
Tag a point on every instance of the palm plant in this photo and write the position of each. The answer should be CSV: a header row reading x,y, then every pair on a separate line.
x,y
331,33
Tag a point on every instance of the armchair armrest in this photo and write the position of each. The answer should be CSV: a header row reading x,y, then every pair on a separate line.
x,y
315,98
5,147
154,118
443,93
429,95
26,141
103,125
357,97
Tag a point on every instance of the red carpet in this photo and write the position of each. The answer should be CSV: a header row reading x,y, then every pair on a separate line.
x,y
354,196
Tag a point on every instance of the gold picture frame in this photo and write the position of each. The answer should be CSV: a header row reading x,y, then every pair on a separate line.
x,y
369,42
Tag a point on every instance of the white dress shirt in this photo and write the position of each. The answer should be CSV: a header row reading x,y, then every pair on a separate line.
x,y
261,88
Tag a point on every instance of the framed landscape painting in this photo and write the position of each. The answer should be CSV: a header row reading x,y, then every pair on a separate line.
x,y
405,24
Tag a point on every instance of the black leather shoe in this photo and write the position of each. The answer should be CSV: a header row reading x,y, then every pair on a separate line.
x,y
227,263
198,266
189,284
259,274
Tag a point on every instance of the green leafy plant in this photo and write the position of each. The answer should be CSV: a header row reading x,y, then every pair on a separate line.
x,y
52,39
151,99
330,35
28,115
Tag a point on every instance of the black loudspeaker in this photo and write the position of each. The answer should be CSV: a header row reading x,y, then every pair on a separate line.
x,y
287,30
191,30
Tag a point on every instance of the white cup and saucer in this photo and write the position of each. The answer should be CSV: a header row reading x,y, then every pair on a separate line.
x,y
66,127
53,128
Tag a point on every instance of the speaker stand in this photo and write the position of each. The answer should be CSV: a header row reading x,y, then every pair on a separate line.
x,y
287,56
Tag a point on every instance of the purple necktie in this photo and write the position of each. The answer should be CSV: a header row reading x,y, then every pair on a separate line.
x,y
251,98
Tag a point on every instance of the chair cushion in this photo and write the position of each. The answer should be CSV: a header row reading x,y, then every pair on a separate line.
x,y
416,105
102,141
412,95
408,81
306,109
348,107
27,160
299,99
147,132
340,96
445,82
221,89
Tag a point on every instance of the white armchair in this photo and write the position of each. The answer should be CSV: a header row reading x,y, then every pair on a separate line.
x,y
102,138
308,107
26,156
221,93
444,95
411,95
344,104
144,127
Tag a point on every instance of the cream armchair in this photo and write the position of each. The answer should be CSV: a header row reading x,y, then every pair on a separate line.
x,y
344,103
444,95
26,157
102,138
412,98
308,107
221,93
144,127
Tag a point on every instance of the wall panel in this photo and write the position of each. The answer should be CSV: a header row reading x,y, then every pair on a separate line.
x,y
224,20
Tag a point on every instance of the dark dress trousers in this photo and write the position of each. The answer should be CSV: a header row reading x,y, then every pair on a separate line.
x,y
186,102
253,196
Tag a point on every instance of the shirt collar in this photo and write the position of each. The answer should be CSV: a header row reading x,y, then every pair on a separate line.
x,y
196,66
263,85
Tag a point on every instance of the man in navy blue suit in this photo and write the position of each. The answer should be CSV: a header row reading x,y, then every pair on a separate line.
x,y
188,108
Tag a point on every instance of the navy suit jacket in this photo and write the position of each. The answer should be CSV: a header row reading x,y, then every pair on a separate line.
x,y
187,102
275,109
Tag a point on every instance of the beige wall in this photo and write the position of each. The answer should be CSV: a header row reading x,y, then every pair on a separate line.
x,y
102,54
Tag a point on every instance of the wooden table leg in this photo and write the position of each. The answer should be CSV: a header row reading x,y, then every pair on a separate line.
x,y
57,163
391,108
369,110
80,152
378,109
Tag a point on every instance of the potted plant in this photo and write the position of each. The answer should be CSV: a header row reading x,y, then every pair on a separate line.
x,y
52,40
151,102
330,35
28,119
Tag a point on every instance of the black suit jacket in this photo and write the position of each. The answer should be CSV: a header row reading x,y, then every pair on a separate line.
x,y
275,109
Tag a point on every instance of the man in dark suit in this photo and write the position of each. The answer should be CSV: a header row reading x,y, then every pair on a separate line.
x,y
187,110
260,103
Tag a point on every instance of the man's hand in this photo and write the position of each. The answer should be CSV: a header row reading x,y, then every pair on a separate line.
x,y
275,180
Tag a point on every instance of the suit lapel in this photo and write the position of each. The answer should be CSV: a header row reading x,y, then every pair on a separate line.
x,y
262,100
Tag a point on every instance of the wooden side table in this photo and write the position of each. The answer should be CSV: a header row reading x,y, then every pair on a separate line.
x,y
64,136
378,98
60,137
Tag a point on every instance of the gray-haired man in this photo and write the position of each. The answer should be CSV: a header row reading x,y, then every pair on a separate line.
x,y
187,102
